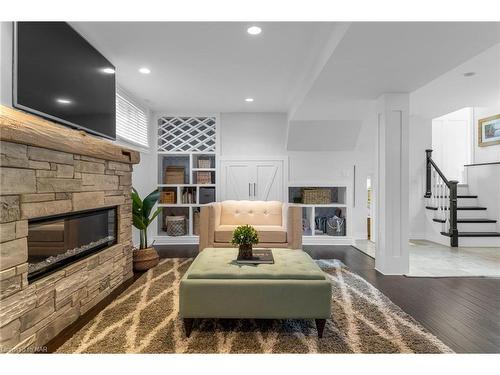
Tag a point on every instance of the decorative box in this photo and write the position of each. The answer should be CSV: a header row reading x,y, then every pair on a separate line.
x,y
203,177
174,175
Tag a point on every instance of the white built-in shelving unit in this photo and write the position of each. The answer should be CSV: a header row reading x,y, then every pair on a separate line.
x,y
182,142
314,215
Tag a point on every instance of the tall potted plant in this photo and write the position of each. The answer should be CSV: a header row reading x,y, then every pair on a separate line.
x,y
144,257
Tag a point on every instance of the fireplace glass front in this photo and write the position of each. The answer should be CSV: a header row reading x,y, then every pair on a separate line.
x,y
57,241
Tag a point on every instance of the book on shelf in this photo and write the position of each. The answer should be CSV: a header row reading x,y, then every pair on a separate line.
x,y
188,197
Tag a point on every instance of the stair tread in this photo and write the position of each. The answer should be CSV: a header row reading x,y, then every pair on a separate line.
x,y
474,234
458,196
470,208
467,220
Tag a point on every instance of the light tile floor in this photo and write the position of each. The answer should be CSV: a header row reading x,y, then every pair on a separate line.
x,y
429,259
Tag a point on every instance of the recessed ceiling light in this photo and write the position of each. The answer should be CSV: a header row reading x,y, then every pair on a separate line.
x,y
249,100
254,30
469,74
63,101
144,70
108,70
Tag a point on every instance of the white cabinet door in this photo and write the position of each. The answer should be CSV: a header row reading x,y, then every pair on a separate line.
x,y
236,180
268,185
252,180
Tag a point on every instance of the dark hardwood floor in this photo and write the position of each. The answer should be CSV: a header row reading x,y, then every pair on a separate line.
x,y
463,312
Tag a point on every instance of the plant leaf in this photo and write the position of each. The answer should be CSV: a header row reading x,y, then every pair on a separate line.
x,y
149,203
137,203
138,222
155,214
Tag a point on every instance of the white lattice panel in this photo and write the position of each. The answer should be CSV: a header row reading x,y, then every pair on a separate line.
x,y
186,134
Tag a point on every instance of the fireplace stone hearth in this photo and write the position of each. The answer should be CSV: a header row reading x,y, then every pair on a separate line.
x,y
49,170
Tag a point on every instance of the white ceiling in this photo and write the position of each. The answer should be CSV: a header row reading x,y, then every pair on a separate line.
x,y
209,67
375,58
453,91
313,71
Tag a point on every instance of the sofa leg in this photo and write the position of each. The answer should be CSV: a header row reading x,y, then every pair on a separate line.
x,y
320,326
188,326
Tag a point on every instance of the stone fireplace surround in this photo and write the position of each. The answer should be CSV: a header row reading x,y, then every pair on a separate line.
x,y
47,169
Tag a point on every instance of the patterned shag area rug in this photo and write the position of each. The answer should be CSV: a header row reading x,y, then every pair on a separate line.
x,y
144,319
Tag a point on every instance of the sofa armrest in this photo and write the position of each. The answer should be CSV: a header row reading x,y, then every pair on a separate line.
x,y
209,217
204,227
294,227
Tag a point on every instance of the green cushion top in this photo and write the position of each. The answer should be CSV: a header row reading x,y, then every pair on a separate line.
x,y
220,263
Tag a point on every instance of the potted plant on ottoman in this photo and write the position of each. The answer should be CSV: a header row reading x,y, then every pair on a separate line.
x,y
245,236
145,257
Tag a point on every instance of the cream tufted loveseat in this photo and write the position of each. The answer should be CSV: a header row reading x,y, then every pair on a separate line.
x,y
278,224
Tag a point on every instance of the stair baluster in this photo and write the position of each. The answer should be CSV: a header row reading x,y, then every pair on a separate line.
x,y
443,195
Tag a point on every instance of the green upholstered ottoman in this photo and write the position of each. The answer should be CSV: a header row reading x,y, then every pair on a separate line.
x,y
215,286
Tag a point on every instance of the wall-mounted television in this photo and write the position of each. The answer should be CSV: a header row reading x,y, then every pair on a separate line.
x,y
57,74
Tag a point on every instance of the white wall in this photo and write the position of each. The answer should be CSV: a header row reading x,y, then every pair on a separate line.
x,y
452,143
253,134
264,135
6,63
484,180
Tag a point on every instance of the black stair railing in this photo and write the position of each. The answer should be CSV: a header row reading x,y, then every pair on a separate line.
x,y
443,195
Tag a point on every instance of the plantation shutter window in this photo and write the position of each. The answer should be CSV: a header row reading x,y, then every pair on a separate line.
x,y
131,120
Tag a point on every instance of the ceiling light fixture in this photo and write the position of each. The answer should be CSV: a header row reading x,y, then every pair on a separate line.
x,y
108,70
63,101
254,30
469,74
249,100
144,70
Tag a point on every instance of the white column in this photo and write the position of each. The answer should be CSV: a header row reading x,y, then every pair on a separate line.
x,y
392,213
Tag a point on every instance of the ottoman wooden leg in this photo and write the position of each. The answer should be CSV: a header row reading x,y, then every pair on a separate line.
x,y
320,326
188,326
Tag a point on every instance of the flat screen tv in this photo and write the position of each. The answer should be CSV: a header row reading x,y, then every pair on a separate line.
x,y
60,76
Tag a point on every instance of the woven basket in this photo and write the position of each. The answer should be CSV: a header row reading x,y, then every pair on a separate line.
x,y
144,259
176,225
203,163
316,196
174,175
167,197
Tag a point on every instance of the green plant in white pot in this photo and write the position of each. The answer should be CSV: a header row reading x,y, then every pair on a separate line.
x,y
144,257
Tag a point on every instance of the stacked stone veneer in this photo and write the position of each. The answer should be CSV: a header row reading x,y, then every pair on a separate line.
x,y
38,182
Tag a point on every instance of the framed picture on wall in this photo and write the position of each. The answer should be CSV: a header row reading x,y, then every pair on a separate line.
x,y
488,131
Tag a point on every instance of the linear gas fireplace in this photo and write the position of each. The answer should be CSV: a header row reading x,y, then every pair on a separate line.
x,y
56,241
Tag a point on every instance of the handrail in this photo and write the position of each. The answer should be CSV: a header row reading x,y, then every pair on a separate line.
x,y
441,174
453,187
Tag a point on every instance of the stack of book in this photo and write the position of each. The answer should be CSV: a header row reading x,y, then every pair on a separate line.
x,y
188,197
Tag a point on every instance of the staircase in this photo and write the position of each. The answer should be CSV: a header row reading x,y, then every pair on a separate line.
x,y
456,215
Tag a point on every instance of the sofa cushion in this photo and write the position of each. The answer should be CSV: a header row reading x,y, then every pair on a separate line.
x,y
267,233
251,212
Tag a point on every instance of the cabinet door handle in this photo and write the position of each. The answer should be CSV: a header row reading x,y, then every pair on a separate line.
x,y
249,189
254,188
